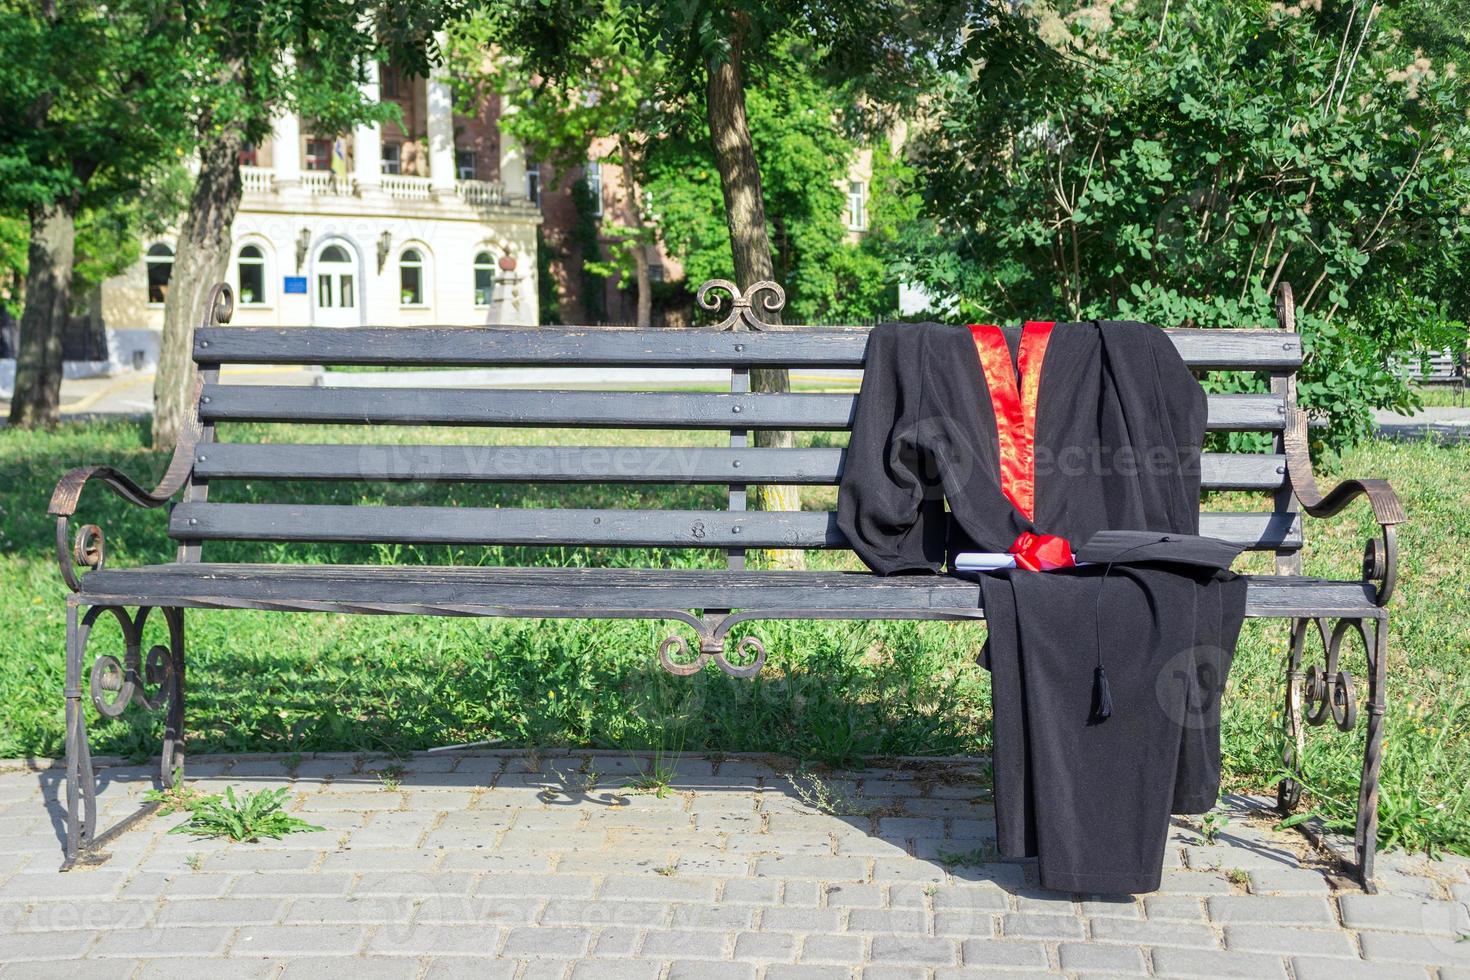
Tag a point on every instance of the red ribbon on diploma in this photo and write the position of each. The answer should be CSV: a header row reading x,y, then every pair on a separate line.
x,y
1042,552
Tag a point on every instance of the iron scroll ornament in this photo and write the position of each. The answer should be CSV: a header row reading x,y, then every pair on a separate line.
x,y
153,682
742,313
89,548
1322,694
673,652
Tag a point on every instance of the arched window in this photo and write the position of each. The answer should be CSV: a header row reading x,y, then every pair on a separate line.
x,y
411,278
336,286
160,263
484,278
250,265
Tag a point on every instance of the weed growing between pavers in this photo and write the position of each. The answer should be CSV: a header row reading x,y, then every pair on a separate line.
x,y
831,693
245,818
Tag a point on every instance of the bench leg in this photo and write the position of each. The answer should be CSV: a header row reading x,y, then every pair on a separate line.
x,y
171,760
1325,693
81,782
153,682
1289,790
1365,839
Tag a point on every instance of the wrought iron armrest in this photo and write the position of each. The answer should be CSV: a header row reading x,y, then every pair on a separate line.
x,y
90,548
1380,556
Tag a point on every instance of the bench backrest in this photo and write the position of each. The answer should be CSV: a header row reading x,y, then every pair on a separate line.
x,y
1436,367
740,344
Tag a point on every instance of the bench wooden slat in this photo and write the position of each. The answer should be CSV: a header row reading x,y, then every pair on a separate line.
x,y
595,528
605,347
589,591
1441,367
601,464
600,409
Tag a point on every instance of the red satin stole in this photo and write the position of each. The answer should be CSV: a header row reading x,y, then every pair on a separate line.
x,y
1015,426
1015,409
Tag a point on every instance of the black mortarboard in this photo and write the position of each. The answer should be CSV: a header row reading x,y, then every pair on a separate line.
x,y
1132,547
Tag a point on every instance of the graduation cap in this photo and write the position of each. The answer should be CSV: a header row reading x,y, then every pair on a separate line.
x,y
1133,547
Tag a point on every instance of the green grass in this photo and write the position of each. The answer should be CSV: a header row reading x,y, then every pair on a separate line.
x,y
831,692
1441,396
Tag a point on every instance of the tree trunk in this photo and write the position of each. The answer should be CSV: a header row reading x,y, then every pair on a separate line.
x,y
38,363
640,245
750,246
645,285
201,260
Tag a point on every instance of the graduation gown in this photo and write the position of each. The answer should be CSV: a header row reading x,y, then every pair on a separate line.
x,y
1117,423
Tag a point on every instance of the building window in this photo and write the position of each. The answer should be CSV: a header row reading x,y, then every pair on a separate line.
x,y
336,284
247,155
594,185
411,278
484,278
160,262
392,158
857,205
388,83
464,164
318,154
250,267
533,183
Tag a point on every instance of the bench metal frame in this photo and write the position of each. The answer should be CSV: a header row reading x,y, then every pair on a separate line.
x,y
1313,694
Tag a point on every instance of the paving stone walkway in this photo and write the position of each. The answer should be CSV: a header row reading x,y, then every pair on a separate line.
x,y
521,865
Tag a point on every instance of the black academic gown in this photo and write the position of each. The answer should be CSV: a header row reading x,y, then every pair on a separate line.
x,y
1119,426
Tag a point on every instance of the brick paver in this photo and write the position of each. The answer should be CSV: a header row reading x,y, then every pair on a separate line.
x,y
523,866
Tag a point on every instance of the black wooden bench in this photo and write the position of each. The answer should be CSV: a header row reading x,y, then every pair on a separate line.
x,y
1444,367
709,601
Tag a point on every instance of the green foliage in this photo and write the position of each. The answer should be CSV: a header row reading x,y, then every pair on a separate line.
x,y
248,61
804,152
1211,824
602,89
108,238
90,100
548,296
602,85
15,235
249,817
881,48
816,74
1175,170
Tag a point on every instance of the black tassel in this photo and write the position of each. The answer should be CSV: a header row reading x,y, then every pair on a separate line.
x,y
1102,696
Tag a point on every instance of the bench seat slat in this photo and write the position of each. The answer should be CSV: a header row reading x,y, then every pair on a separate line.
x,y
596,591
596,528
602,464
610,347
600,409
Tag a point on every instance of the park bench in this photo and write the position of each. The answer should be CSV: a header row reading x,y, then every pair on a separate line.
x,y
1443,367
709,601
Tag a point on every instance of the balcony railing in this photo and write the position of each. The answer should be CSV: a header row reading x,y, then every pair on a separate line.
x,y
480,193
407,188
258,180
325,183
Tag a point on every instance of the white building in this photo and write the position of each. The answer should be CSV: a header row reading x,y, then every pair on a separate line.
x,y
430,221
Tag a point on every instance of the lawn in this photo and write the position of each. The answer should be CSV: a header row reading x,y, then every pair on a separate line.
x,y
831,692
